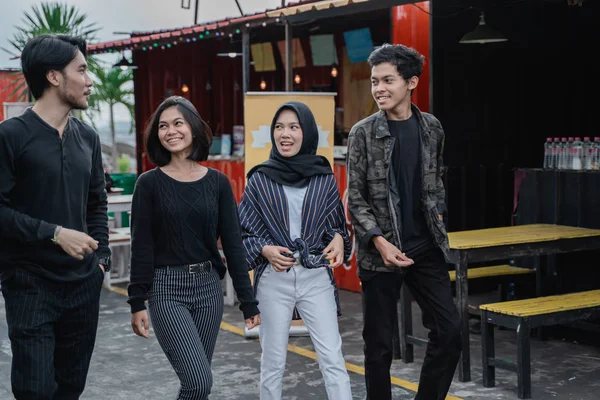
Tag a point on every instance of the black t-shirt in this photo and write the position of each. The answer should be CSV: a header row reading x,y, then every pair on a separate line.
x,y
45,181
406,162
177,223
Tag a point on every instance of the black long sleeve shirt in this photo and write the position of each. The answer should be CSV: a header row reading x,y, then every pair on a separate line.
x,y
46,181
178,223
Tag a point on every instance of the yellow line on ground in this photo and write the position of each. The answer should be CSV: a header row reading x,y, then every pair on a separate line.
x,y
119,290
232,328
350,367
310,354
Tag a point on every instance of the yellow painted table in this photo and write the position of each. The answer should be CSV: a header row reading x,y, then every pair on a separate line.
x,y
492,245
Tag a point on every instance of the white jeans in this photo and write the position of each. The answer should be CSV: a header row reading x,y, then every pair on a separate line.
x,y
311,291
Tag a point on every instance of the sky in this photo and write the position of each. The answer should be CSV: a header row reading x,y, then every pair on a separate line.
x,y
129,15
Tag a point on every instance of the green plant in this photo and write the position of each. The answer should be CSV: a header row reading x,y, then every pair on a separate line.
x,y
52,18
123,164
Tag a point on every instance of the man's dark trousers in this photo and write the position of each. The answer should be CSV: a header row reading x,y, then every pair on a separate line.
x,y
429,283
52,329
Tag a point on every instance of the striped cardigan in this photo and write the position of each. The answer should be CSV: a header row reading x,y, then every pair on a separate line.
x,y
265,221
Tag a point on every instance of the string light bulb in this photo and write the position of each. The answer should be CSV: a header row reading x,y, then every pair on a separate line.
x,y
334,72
263,84
297,79
185,88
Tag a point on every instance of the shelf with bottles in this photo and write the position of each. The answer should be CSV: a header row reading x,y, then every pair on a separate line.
x,y
572,154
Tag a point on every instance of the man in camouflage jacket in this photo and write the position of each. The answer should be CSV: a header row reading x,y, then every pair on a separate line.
x,y
396,202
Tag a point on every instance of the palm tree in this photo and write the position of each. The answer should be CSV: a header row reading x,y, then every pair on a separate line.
x,y
110,88
60,18
53,18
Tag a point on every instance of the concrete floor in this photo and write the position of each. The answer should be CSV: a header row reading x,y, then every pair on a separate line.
x,y
127,367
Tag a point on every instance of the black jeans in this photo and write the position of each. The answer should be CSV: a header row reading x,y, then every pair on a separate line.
x,y
429,283
52,330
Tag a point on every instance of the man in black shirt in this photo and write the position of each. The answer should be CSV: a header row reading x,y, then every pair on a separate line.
x,y
53,224
396,201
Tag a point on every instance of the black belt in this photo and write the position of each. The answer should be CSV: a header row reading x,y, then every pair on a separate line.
x,y
205,266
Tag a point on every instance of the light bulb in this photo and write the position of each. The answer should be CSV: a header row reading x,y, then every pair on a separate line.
x,y
185,88
297,79
263,85
334,72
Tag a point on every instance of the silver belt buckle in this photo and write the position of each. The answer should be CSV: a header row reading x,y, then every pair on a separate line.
x,y
297,260
199,267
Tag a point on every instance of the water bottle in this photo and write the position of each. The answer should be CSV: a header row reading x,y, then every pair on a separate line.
x,y
555,152
596,153
562,156
569,155
587,153
548,153
576,153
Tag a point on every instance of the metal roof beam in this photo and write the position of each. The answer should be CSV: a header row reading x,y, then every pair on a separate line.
x,y
332,10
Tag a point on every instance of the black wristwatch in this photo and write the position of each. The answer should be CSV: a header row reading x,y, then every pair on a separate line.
x,y
106,262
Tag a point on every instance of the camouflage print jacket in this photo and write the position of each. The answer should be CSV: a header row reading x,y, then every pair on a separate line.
x,y
373,202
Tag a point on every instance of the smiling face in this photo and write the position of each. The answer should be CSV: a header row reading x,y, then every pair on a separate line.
x,y
287,133
174,132
389,89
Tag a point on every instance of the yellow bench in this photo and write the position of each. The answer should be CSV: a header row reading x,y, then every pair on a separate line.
x,y
504,270
524,315
494,270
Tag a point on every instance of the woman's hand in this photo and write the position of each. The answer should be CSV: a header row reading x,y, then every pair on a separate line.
x,y
275,255
253,322
335,251
139,323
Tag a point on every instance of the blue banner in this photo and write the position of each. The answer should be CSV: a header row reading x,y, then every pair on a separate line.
x,y
358,44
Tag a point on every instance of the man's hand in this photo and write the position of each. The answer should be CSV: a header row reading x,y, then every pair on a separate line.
x,y
253,322
76,243
335,251
390,253
139,323
275,256
103,268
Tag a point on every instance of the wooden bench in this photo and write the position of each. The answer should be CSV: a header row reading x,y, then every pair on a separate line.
x,y
523,315
119,241
493,271
503,274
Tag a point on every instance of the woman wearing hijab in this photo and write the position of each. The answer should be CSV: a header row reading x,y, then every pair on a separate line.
x,y
294,232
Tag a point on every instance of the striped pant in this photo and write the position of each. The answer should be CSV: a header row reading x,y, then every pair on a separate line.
x,y
52,330
186,311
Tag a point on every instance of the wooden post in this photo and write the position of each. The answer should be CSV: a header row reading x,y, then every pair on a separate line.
x,y
245,59
289,83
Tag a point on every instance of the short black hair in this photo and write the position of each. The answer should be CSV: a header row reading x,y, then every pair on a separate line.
x,y
201,133
407,60
45,53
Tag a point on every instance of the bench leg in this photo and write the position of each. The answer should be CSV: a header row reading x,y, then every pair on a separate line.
x,y
229,298
524,360
541,276
106,282
503,291
487,351
406,349
462,297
